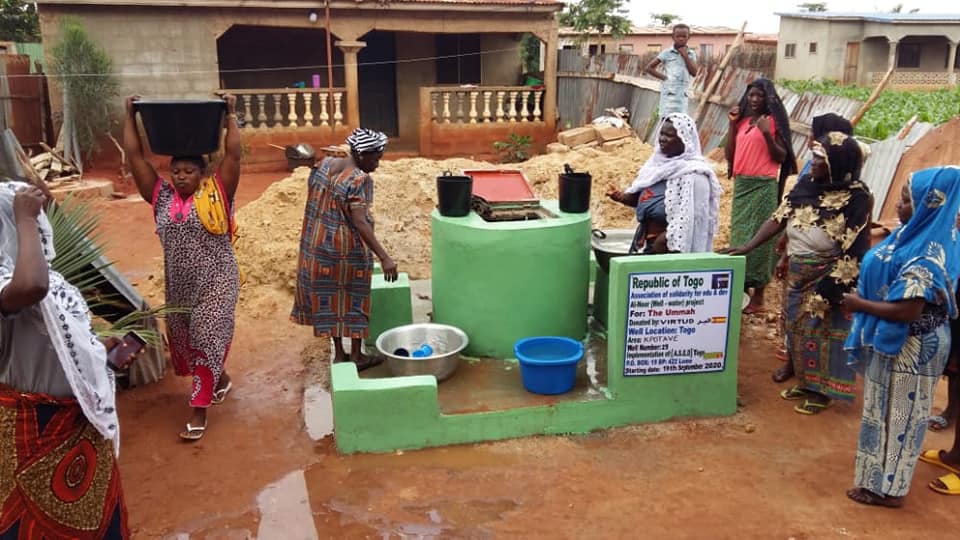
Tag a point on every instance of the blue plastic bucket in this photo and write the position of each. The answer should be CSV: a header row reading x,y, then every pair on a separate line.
x,y
548,364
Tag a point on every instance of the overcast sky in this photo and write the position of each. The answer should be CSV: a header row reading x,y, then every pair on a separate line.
x,y
762,19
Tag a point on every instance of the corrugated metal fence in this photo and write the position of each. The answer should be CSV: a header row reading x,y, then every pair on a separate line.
x,y
589,85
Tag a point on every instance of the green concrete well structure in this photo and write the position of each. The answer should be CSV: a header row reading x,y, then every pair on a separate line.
x,y
503,281
382,415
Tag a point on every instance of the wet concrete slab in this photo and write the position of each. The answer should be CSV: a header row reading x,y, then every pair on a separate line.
x,y
486,384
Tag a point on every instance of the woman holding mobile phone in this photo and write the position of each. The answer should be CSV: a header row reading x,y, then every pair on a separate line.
x,y
57,402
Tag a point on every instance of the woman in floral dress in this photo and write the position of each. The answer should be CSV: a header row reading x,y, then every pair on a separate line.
x,y
825,217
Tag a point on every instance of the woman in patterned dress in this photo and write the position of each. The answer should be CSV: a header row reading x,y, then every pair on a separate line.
x,y
826,216
335,266
900,337
200,270
59,433
759,158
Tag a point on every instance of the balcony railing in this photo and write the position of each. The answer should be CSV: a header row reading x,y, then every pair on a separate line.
x,y
290,108
485,104
916,78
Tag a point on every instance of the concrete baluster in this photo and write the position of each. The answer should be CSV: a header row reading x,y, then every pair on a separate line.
x,y
324,105
500,113
292,114
486,105
307,108
512,109
537,113
277,115
261,111
246,111
446,107
337,110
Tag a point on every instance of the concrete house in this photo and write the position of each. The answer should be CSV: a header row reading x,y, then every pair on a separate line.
x,y
441,77
860,48
707,41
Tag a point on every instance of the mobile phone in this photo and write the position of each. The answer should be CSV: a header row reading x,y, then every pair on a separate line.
x,y
130,345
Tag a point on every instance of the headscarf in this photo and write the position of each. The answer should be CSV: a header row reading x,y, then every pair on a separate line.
x,y
67,320
825,123
688,165
775,109
364,140
918,260
841,207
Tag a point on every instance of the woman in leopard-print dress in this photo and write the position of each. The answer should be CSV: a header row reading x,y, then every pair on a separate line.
x,y
200,270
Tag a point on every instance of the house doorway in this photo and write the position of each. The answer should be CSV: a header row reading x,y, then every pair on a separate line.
x,y
377,78
851,63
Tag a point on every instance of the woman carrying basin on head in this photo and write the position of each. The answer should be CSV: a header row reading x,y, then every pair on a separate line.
x,y
336,266
676,193
193,214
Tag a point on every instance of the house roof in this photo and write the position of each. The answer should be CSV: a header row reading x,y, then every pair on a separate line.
x,y
665,30
891,18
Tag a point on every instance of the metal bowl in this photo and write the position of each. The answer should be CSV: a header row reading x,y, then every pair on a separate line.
x,y
610,243
447,343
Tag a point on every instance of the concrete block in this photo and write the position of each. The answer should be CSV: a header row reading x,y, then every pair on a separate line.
x,y
577,136
557,148
610,133
390,305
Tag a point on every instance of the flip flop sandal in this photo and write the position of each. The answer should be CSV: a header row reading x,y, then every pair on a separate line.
x,y
951,481
933,458
221,395
794,393
811,408
938,423
193,433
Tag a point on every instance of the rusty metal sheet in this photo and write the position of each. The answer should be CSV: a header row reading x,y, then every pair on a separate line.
x,y
810,105
21,98
881,167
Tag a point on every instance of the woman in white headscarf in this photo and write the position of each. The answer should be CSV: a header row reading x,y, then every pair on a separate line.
x,y
59,434
676,193
336,266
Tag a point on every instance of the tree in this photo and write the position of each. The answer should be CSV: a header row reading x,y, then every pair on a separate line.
x,y
85,72
665,19
19,21
813,7
596,16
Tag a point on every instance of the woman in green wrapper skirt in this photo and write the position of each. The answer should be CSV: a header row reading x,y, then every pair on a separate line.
x,y
760,158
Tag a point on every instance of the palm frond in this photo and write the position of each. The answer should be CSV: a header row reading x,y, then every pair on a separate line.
x,y
78,244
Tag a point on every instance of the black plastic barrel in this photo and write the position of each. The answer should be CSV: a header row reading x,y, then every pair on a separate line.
x,y
574,191
453,194
182,127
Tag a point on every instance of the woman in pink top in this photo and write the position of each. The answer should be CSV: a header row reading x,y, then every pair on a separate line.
x,y
759,157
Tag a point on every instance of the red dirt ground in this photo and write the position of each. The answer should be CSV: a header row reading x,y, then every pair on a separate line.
x,y
765,472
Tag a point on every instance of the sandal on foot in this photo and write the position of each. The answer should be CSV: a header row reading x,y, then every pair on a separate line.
x,y
193,433
781,355
794,393
949,484
221,395
784,373
938,423
933,458
865,496
811,407
372,361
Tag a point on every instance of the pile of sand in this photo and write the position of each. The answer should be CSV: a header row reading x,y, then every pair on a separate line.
x,y
404,196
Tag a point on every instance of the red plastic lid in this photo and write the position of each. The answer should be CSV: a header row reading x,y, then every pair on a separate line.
x,y
501,186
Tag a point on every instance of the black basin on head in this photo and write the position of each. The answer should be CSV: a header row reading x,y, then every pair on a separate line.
x,y
182,127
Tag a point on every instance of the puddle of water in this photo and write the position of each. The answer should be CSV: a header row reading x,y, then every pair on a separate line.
x,y
285,510
317,412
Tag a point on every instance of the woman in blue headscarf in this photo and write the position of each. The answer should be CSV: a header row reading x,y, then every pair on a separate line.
x,y
900,338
